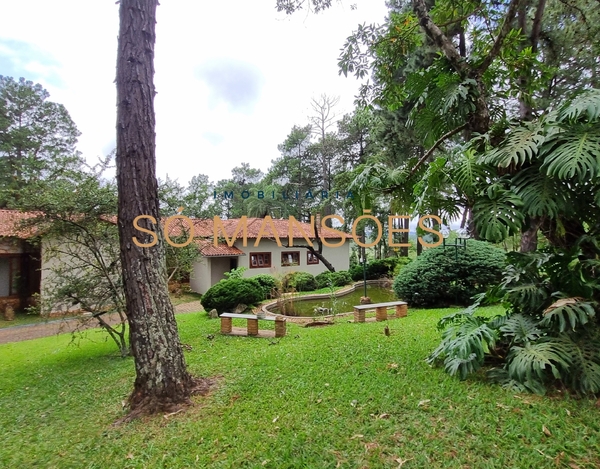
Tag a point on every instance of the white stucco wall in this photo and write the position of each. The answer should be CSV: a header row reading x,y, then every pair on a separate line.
x,y
208,271
200,276
339,257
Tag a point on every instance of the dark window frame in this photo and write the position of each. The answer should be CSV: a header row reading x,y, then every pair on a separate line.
x,y
14,272
295,256
260,260
311,258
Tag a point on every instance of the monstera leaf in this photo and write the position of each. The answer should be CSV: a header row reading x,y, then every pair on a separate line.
x,y
498,215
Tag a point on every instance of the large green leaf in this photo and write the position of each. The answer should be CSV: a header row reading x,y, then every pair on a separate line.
x,y
531,363
574,154
541,195
566,312
521,145
522,328
498,215
586,104
584,352
468,173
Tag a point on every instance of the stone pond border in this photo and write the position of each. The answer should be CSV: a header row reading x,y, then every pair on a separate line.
x,y
318,296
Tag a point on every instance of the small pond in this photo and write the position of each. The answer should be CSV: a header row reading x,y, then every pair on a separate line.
x,y
342,304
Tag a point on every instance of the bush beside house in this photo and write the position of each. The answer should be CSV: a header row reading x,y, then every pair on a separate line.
x,y
444,277
227,294
378,268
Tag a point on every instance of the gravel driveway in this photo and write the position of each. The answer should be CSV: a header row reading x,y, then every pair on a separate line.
x,y
61,326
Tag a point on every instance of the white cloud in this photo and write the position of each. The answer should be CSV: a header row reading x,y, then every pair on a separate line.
x,y
232,77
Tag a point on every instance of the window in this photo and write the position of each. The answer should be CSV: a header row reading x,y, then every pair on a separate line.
x,y
259,260
311,258
10,268
290,258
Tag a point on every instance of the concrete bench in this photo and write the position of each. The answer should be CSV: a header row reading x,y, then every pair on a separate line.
x,y
252,325
380,310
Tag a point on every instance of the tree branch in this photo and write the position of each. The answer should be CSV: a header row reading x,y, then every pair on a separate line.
x,y
440,39
435,145
506,28
537,25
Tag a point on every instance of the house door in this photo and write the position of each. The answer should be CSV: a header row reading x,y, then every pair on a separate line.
x,y
233,262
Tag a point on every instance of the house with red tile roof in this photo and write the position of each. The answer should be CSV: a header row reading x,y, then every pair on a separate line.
x,y
263,246
20,261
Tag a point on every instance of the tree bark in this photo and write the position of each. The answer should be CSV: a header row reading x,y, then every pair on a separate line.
x,y
529,236
162,382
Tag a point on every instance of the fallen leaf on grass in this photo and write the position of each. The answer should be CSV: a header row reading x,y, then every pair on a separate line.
x,y
264,463
572,465
502,406
546,431
371,446
275,419
129,456
353,403
568,412
401,461
358,435
172,413
384,416
424,403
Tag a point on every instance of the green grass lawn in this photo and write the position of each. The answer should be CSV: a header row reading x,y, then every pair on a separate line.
x,y
22,319
343,396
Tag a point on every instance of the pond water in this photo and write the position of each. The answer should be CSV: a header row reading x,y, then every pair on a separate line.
x,y
342,304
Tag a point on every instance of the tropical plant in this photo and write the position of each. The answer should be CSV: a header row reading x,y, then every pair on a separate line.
x,y
550,333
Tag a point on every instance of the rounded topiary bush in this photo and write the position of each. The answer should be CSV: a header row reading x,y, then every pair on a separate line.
x,y
227,294
267,283
336,279
299,281
441,277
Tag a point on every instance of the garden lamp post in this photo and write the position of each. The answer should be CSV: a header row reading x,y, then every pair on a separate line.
x,y
461,239
363,260
461,242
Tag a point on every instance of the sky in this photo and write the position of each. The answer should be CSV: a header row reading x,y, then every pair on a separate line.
x,y
232,78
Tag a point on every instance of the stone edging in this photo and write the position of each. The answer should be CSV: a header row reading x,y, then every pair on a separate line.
x,y
318,296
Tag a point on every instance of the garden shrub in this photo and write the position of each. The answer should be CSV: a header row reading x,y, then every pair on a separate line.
x,y
378,268
227,294
299,281
441,277
337,279
267,283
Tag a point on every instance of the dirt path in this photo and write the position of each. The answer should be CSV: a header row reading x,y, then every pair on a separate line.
x,y
61,326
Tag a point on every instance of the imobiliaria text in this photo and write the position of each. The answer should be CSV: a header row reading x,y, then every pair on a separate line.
x,y
292,222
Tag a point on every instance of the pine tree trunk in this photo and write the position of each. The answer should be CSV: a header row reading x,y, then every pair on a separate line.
x,y
162,382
